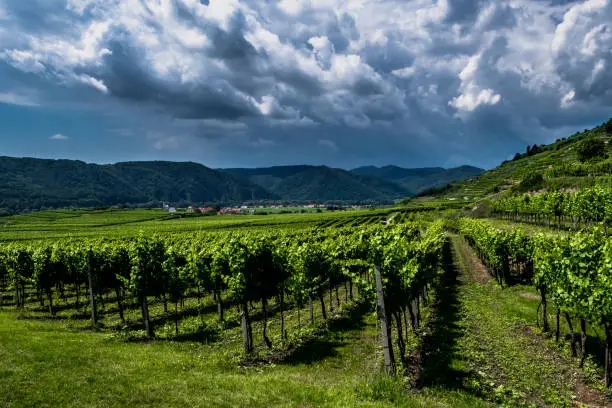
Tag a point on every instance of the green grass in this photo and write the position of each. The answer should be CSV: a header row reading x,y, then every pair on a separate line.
x,y
47,364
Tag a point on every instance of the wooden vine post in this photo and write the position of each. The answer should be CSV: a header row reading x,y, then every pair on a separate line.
x,y
385,328
92,298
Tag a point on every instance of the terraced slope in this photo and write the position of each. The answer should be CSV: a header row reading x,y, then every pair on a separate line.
x,y
558,163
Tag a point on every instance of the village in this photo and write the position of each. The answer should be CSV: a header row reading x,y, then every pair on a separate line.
x,y
259,209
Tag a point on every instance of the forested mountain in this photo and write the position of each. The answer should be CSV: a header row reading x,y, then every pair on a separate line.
x,y
421,179
33,184
322,183
27,184
395,172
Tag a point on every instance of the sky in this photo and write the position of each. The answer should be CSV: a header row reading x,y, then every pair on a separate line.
x,y
344,83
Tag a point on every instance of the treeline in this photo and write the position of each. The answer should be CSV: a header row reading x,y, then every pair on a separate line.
x,y
295,269
572,273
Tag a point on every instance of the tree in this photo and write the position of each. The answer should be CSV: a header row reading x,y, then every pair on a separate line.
x,y
608,127
532,181
591,149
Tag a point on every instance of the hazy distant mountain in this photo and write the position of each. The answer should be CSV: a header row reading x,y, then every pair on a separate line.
x,y
396,173
420,179
27,183
321,183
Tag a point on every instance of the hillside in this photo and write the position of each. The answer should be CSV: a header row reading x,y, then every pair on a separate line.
x,y
27,183
420,179
558,164
321,183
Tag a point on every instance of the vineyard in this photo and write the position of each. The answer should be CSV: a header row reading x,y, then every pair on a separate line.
x,y
574,210
279,272
268,296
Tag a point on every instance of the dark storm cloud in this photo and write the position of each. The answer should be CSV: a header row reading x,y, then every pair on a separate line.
x,y
127,78
275,77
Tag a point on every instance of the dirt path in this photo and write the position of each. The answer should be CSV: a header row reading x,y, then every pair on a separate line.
x,y
483,341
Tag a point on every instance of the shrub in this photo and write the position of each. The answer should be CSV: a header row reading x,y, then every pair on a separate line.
x,y
608,127
591,149
533,181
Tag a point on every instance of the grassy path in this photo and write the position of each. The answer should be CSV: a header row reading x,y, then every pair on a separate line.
x,y
491,346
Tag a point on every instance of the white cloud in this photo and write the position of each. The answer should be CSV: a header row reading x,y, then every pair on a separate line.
x,y
323,49
11,98
58,136
291,7
161,141
95,83
23,60
405,72
473,98
568,99
581,50
263,143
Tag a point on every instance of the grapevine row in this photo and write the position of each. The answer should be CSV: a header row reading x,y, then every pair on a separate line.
x,y
588,205
237,268
571,272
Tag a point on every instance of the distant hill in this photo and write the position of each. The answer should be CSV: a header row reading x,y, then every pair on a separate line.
x,y
27,183
395,172
321,183
34,184
557,165
420,179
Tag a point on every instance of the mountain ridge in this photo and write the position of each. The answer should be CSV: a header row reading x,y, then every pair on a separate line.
x,y
32,184
321,183
420,179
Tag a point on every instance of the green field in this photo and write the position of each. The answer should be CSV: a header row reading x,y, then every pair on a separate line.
x,y
118,223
